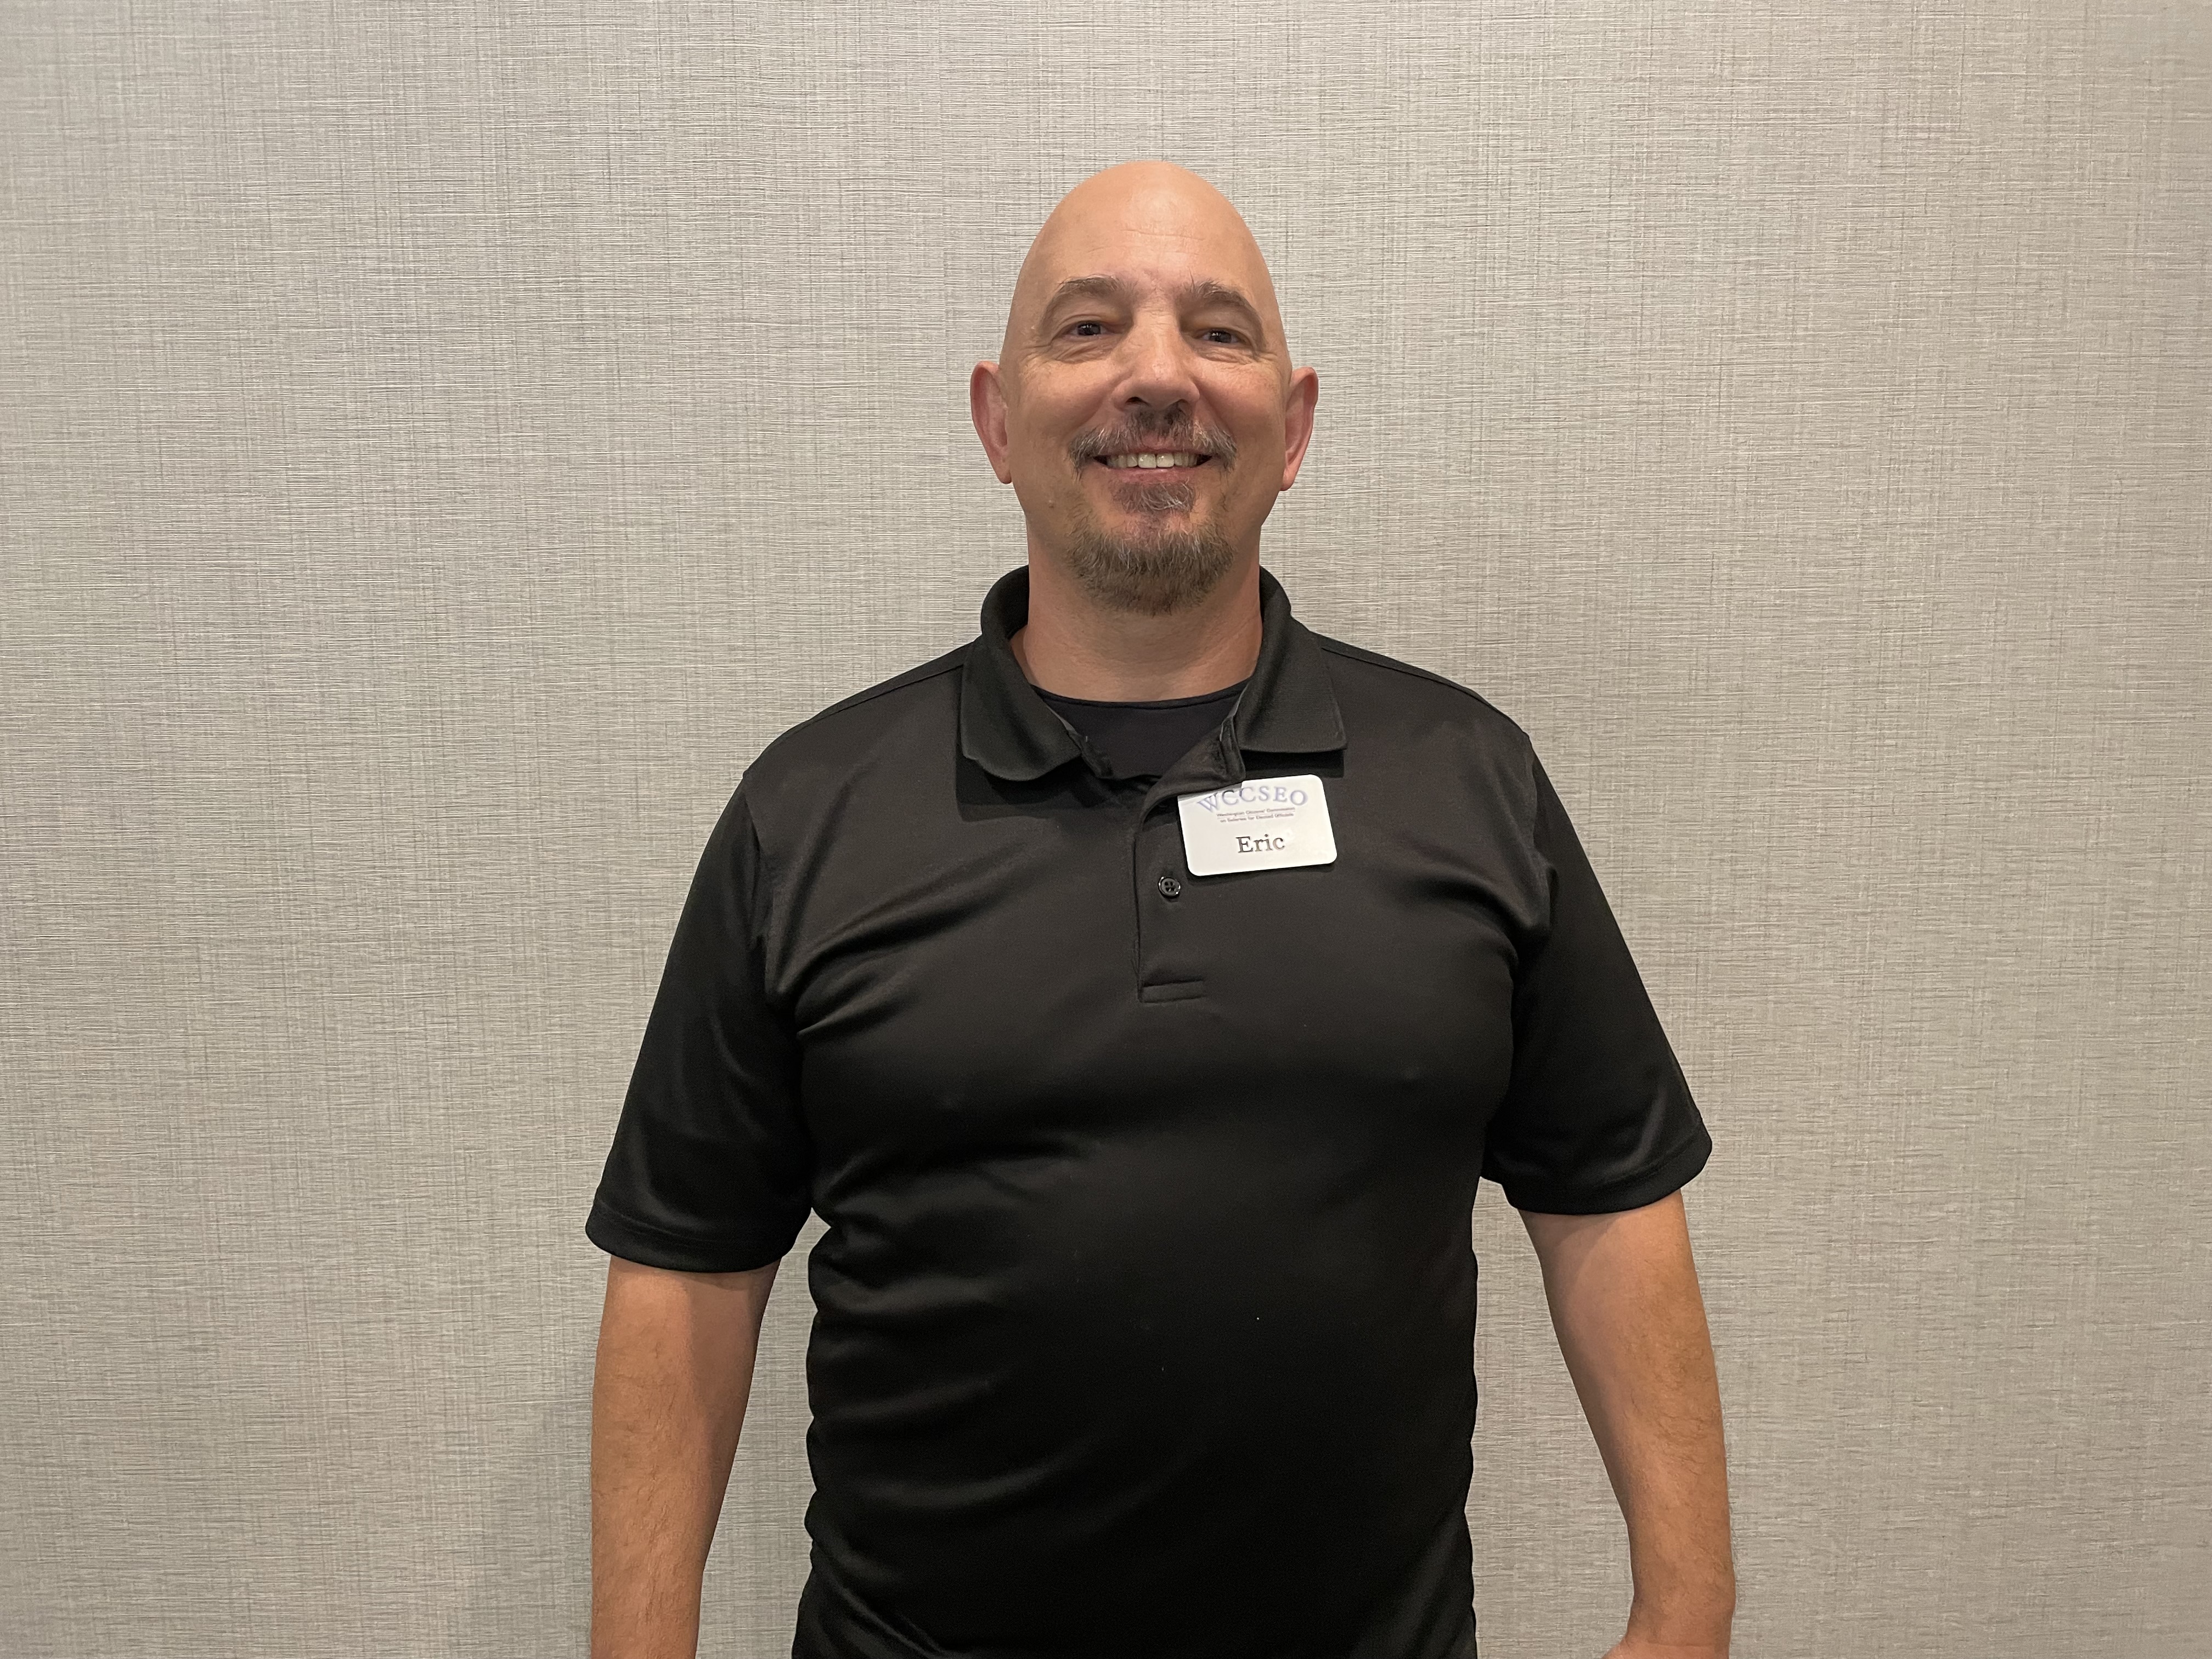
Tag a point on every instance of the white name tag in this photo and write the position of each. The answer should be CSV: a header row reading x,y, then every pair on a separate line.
x,y
1262,823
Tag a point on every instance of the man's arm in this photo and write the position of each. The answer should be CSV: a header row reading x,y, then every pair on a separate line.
x,y
668,1397
1624,1296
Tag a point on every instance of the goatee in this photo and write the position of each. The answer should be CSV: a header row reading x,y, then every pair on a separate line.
x,y
1153,574
1156,571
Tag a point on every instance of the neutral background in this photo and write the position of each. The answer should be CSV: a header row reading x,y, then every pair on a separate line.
x,y
443,444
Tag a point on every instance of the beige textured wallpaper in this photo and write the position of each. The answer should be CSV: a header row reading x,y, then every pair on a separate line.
x,y
439,445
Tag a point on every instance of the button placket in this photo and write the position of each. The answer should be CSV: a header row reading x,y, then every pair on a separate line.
x,y
1170,961
1170,943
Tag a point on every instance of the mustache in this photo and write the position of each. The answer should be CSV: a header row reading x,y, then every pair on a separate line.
x,y
1182,436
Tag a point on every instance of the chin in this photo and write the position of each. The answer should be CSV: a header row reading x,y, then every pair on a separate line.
x,y
1151,568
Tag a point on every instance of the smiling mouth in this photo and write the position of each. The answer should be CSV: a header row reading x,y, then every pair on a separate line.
x,y
1170,461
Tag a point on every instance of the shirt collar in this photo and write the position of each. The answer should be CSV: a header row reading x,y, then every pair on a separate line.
x,y
1288,706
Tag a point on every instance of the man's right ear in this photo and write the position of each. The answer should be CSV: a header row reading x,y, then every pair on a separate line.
x,y
986,407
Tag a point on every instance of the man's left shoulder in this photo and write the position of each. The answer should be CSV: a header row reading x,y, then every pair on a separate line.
x,y
1376,684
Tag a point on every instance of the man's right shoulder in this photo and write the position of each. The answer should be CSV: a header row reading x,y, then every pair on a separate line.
x,y
885,720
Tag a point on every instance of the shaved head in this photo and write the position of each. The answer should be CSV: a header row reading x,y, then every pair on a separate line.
x,y
1143,406
1094,222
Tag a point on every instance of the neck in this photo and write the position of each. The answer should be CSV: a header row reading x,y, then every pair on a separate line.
x,y
1074,646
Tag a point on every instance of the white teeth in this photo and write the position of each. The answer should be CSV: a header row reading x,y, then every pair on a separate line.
x,y
1181,458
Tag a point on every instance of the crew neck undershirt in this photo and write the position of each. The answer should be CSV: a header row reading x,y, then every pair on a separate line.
x,y
1143,739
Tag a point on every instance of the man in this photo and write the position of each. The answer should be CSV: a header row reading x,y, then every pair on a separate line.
x,y
1138,993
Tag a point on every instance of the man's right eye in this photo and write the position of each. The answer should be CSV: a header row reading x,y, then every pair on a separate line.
x,y
1077,329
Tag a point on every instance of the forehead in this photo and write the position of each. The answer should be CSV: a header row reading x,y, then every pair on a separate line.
x,y
1149,242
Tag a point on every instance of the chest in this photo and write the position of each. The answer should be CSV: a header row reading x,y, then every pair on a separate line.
x,y
963,982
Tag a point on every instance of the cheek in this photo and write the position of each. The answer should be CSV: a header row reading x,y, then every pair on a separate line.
x,y
1042,460
1259,460
1045,480
1257,425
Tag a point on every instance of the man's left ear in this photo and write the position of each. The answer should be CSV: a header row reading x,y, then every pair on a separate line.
x,y
1297,422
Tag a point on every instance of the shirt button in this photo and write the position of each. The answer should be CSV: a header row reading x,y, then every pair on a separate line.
x,y
1170,888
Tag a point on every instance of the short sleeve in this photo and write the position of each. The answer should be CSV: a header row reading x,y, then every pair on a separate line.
x,y
1596,1116
711,1168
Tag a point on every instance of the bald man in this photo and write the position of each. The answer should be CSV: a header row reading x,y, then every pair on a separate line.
x,y
1138,993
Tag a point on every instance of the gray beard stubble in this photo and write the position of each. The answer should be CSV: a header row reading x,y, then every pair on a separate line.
x,y
1152,576
1165,571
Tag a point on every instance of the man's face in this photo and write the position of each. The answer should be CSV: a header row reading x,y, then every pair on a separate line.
x,y
1144,409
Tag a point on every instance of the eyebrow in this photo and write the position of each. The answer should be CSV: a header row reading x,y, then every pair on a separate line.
x,y
1203,291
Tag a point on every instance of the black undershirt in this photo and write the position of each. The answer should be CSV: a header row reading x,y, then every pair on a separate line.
x,y
1143,739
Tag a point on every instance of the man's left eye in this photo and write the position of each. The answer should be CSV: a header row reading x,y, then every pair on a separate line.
x,y
1223,336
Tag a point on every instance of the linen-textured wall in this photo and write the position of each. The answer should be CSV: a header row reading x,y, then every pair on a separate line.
x,y
443,444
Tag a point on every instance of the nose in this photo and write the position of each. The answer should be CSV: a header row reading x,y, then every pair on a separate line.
x,y
1158,371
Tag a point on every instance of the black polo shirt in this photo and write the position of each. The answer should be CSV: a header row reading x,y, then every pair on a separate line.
x,y
1145,1315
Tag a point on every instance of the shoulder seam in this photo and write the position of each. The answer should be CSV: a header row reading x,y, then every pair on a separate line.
x,y
1375,659
919,675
